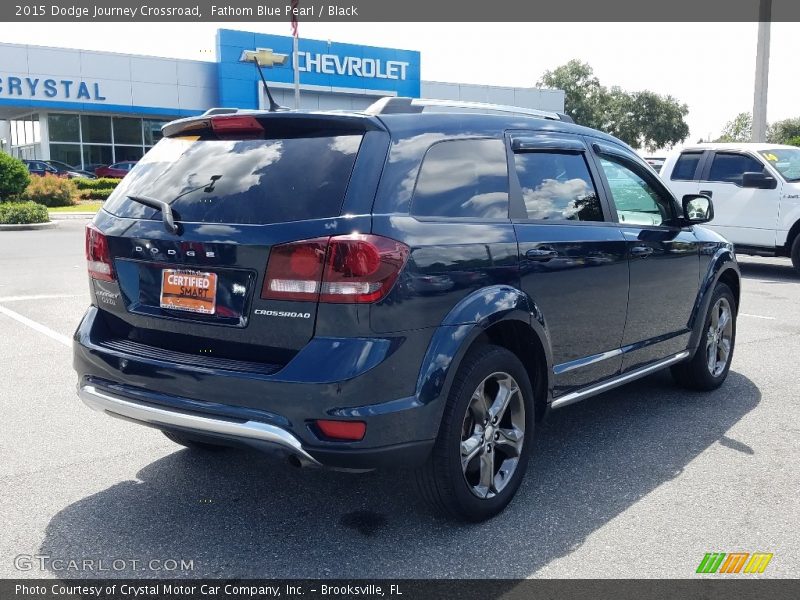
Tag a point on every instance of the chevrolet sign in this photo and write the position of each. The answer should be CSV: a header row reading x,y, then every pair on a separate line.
x,y
331,64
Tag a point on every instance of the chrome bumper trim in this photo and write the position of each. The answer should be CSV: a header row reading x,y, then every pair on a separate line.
x,y
573,397
248,430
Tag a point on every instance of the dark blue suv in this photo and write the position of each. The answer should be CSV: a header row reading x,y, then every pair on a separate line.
x,y
415,285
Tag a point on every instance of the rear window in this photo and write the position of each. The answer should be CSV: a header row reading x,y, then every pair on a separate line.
x,y
253,181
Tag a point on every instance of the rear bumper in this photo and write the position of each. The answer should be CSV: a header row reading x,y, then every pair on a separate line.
x,y
246,431
269,411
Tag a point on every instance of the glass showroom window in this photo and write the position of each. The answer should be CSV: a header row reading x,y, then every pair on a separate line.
x,y
65,138
26,137
94,140
128,141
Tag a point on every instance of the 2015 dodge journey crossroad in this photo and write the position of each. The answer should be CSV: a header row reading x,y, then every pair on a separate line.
x,y
412,285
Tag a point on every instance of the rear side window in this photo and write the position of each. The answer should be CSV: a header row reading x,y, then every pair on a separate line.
x,y
254,181
463,178
686,166
729,168
557,186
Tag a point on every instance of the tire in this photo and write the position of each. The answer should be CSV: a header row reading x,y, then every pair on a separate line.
x,y
480,490
795,253
193,443
698,373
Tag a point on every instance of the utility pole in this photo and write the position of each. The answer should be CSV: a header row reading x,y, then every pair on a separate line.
x,y
295,55
759,131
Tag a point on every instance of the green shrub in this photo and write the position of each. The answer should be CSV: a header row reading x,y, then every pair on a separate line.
x,y
23,212
795,141
101,194
51,191
101,183
14,176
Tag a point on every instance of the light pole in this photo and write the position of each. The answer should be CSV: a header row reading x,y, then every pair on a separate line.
x,y
759,130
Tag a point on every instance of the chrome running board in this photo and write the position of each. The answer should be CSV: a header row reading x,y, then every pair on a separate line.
x,y
573,397
154,415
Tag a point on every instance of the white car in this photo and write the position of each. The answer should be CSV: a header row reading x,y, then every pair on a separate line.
x,y
755,189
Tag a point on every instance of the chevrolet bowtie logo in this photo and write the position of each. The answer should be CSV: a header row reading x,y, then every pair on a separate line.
x,y
265,57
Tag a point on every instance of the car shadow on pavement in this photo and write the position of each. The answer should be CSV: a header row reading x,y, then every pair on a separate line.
x,y
243,515
781,272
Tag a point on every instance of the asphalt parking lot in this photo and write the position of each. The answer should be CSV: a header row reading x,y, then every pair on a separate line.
x,y
639,482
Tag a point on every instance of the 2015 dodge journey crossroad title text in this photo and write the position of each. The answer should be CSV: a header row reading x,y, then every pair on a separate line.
x,y
413,285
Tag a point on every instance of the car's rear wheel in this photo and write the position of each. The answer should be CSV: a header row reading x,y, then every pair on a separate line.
x,y
484,442
193,442
709,366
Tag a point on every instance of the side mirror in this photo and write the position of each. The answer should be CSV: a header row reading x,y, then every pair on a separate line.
x,y
761,181
697,209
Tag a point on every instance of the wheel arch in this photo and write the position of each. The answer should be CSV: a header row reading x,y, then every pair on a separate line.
x,y
722,268
501,315
794,231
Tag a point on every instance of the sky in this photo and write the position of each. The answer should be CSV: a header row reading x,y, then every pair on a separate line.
x,y
708,66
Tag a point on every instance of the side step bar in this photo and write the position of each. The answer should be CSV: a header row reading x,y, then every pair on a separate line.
x,y
154,415
610,384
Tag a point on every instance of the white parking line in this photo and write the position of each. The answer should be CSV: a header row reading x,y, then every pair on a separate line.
x,y
36,326
757,316
38,297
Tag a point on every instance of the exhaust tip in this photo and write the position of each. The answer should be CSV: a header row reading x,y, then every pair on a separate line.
x,y
295,462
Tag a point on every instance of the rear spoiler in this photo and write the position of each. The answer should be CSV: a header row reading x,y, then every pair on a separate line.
x,y
230,122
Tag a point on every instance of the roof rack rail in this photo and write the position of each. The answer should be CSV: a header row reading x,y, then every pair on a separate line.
x,y
403,105
220,111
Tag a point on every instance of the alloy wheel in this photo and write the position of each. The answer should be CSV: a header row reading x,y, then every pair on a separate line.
x,y
492,434
719,336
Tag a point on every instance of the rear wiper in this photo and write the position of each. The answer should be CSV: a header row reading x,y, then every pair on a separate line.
x,y
166,210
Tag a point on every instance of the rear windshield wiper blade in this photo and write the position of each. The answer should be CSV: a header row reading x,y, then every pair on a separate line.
x,y
166,210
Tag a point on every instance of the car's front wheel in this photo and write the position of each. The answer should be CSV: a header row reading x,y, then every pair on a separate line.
x,y
709,366
485,439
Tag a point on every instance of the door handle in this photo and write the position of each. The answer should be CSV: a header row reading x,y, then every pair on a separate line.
x,y
708,193
540,254
641,251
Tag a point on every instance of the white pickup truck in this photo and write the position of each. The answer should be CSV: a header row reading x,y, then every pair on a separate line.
x,y
755,189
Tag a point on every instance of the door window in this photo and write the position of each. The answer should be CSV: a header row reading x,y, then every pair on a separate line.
x,y
729,167
686,166
557,186
637,201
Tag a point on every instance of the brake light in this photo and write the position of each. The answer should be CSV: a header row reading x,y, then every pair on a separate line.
x,y
356,268
235,125
98,257
351,431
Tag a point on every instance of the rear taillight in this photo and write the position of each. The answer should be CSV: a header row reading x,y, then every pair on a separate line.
x,y
356,268
294,271
98,257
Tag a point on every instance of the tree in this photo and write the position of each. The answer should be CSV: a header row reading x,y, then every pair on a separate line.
x,y
583,94
14,177
642,119
783,132
737,130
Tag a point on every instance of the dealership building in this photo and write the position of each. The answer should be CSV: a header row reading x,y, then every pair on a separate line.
x,y
85,107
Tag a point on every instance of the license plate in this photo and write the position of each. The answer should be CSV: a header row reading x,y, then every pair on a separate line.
x,y
191,291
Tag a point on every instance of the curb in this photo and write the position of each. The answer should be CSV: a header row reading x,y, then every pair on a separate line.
x,y
74,215
28,226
